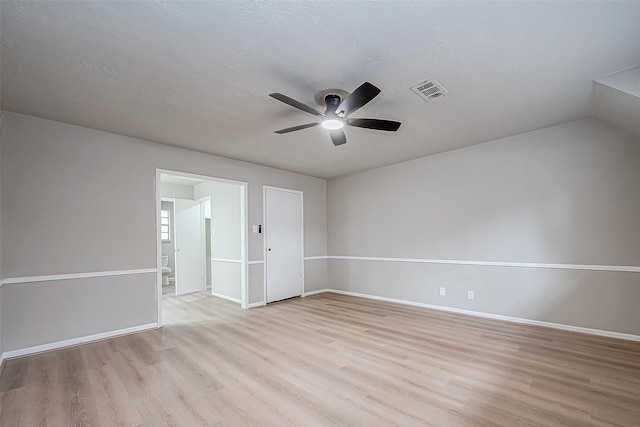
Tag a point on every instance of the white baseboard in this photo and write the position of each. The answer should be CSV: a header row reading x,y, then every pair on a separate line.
x,y
319,291
236,300
1,363
75,341
580,329
236,261
256,304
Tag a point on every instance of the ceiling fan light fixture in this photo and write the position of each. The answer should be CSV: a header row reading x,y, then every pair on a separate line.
x,y
336,115
332,124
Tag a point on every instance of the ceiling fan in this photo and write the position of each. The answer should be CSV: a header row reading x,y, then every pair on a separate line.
x,y
336,115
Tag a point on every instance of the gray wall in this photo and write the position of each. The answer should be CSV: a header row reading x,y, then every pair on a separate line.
x,y
52,311
568,194
60,184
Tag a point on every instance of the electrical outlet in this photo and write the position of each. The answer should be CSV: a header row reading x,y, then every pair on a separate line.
x,y
443,292
471,295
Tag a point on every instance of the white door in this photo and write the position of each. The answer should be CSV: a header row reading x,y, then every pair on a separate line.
x,y
189,247
283,237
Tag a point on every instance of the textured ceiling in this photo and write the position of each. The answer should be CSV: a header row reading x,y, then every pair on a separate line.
x,y
198,74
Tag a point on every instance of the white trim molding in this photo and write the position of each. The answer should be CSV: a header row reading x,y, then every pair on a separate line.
x,y
319,291
76,341
71,276
256,304
236,300
238,261
256,262
309,258
596,267
580,329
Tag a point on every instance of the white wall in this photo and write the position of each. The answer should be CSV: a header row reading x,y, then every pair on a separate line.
x,y
626,81
176,191
568,194
614,106
60,184
226,222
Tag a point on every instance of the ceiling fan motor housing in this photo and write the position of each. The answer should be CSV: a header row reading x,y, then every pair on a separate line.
x,y
332,101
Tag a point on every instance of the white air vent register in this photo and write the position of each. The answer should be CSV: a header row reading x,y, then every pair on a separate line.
x,y
430,90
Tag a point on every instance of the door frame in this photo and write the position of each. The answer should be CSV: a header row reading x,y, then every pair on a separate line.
x,y
244,235
266,231
203,229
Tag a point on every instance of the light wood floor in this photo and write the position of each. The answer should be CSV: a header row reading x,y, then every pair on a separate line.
x,y
328,360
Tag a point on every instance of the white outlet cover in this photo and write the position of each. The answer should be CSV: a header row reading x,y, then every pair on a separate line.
x,y
443,292
471,295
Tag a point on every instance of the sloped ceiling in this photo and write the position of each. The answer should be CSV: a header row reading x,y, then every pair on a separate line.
x,y
198,74
616,100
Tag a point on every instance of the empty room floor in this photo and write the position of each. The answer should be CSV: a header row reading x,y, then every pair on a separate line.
x,y
329,360
187,308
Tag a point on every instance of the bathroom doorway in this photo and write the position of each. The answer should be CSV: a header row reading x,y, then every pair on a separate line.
x,y
202,239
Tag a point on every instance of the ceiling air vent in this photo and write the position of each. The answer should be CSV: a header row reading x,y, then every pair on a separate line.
x,y
430,90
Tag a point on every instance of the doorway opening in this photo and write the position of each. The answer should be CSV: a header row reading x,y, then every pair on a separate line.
x,y
201,240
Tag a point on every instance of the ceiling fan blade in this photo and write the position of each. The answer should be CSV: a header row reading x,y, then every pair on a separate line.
x,y
359,97
338,137
296,104
377,124
295,128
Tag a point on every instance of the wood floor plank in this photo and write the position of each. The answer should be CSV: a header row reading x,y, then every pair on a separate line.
x,y
113,407
45,391
14,375
327,360
12,411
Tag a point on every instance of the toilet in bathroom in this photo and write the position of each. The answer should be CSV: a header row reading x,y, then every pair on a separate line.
x,y
166,270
